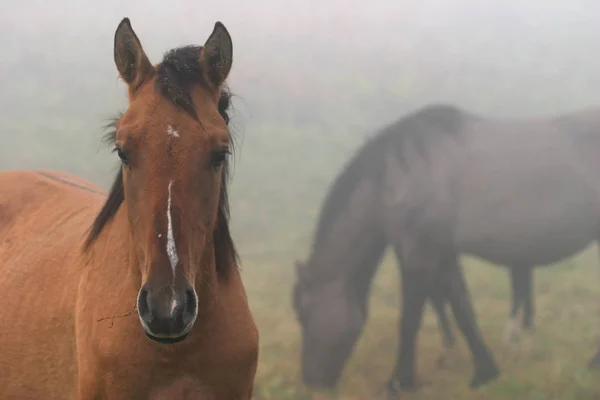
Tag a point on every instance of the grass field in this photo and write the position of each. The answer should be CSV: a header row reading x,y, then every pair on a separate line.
x,y
549,363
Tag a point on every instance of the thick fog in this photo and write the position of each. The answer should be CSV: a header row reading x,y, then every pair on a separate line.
x,y
312,81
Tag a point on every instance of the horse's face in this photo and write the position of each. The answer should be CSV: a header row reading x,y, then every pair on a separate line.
x,y
331,322
173,144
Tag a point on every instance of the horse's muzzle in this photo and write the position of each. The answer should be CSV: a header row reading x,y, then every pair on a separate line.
x,y
167,315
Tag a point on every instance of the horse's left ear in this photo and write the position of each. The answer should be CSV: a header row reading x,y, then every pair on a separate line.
x,y
216,56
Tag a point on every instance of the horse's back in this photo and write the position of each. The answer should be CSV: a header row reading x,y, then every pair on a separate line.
x,y
511,191
24,192
43,220
527,194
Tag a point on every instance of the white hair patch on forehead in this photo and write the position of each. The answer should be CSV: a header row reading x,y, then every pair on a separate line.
x,y
172,132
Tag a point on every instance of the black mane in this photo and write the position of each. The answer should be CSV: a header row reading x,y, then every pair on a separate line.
x,y
178,73
412,133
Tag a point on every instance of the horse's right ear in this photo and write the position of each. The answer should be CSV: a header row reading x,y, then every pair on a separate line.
x,y
131,60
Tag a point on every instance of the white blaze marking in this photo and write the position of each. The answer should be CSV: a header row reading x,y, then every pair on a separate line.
x,y
171,249
172,132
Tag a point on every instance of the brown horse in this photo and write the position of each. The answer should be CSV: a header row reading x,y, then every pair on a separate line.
x,y
159,247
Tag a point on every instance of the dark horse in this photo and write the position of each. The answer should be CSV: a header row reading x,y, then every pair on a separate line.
x,y
159,241
435,184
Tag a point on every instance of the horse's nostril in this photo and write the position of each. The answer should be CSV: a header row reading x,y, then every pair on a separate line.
x,y
191,306
144,306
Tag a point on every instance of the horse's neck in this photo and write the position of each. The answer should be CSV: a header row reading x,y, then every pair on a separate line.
x,y
367,261
351,252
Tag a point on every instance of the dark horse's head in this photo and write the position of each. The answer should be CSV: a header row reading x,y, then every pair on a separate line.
x,y
173,143
331,318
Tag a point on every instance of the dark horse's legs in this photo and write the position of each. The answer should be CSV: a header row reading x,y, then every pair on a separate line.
x,y
528,297
522,286
418,271
460,301
422,272
521,279
438,299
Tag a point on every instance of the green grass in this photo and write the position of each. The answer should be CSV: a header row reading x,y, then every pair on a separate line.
x,y
549,363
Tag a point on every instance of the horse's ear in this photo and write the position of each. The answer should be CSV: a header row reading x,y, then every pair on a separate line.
x,y
131,60
216,56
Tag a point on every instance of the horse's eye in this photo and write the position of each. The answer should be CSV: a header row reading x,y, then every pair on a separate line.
x,y
219,157
123,155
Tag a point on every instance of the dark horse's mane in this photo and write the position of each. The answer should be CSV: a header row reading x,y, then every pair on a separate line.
x,y
411,133
176,75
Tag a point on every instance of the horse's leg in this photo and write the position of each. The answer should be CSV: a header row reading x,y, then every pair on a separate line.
x,y
459,297
418,270
512,326
528,298
438,299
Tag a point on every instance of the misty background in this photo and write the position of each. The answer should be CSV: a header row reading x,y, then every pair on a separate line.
x,y
312,80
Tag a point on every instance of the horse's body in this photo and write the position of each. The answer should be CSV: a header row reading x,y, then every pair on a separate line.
x,y
55,331
94,315
438,183
41,223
